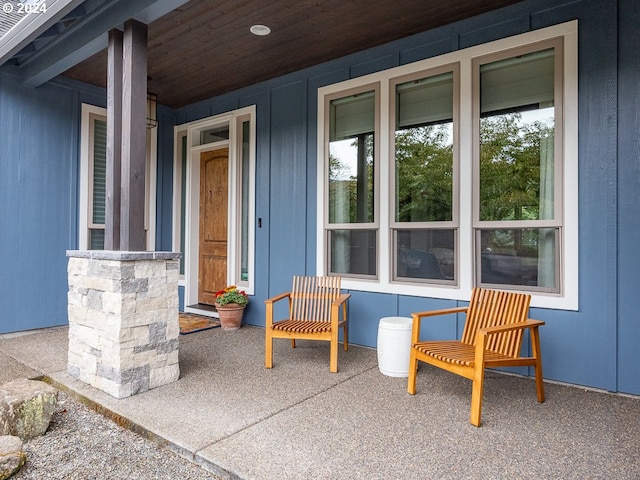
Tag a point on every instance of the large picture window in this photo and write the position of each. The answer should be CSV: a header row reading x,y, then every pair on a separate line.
x,y
454,172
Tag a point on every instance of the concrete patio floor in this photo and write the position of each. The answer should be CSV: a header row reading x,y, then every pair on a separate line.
x,y
239,420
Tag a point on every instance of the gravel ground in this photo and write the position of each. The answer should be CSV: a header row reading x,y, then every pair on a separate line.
x,y
81,444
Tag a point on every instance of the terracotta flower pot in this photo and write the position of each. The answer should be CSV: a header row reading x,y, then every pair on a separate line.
x,y
230,315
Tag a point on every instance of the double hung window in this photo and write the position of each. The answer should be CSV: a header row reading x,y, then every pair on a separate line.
x,y
352,231
424,224
518,219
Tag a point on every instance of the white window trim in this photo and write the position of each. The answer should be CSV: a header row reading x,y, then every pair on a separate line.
x,y
194,149
568,299
86,169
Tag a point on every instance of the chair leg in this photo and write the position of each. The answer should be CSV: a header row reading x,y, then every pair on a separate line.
x,y
535,345
293,343
345,337
478,379
268,350
333,360
539,384
476,396
345,328
413,372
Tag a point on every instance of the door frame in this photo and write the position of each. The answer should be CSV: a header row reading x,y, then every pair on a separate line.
x,y
192,201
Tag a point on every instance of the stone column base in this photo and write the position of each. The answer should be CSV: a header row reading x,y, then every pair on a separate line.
x,y
123,319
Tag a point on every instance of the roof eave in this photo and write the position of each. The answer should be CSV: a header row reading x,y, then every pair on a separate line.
x,y
33,25
81,41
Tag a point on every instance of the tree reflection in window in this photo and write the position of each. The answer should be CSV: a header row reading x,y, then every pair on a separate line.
x,y
424,173
516,166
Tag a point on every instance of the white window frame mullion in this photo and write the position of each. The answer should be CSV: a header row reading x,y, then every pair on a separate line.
x,y
466,266
570,229
386,155
322,123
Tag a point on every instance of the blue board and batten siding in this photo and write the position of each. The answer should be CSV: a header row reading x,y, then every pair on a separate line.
x,y
596,346
39,144
628,215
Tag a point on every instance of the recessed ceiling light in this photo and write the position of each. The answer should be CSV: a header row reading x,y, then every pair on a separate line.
x,y
260,30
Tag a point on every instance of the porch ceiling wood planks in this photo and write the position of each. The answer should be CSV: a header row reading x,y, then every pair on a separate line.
x,y
203,48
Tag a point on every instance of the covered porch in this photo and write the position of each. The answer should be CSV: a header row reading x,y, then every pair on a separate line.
x,y
226,412
237,419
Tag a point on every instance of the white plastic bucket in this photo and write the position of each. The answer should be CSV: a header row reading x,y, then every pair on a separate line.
x,y
394,345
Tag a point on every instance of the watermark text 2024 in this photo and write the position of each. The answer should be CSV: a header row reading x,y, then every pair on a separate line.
x,y
24,8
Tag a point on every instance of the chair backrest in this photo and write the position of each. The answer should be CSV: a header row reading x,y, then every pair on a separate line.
x,y
311,298
490,308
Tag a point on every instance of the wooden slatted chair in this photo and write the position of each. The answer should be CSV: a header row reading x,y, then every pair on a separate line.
x,y
314,314
492,337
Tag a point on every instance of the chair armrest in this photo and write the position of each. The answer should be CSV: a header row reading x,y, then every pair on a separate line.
x,y
482,335
277,297
335,309
443,311
529,323
418,316
341,299
269,310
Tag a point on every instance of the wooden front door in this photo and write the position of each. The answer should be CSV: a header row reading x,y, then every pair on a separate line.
x,y
212,262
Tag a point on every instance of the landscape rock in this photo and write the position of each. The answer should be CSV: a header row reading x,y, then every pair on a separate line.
x,y
12,456
26,408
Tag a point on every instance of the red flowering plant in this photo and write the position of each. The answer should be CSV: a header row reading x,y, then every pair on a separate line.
x,y
231,294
